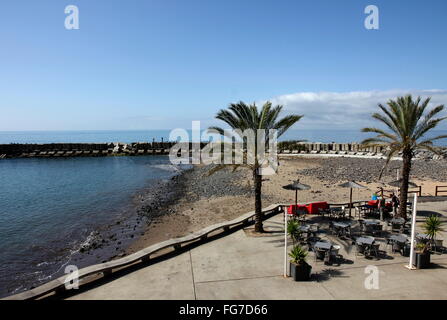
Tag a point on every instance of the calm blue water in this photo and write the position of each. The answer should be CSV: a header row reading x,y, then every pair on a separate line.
x,y
326,136
48,207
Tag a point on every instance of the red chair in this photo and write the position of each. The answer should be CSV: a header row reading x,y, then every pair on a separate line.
x,y
373,203
295,209
313,208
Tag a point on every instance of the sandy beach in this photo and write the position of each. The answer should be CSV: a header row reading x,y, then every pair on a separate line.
x,y
200,200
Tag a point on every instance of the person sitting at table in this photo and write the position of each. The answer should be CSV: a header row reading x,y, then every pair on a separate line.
x,y
374,196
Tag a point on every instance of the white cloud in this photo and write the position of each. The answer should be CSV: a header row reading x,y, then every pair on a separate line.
x,y
347,110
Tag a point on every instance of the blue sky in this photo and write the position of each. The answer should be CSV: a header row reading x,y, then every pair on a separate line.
x,y
161,64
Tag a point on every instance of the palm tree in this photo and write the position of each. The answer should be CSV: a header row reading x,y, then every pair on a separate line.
x,y
407,127
240,116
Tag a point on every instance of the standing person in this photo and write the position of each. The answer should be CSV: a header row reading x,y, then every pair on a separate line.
x,y
380,191
395,203
382,207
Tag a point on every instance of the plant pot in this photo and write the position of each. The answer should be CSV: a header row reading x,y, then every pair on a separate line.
x,y
422,260
438,243
406,251
300,272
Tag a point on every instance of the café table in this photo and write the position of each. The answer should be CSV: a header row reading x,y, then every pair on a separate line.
x,y
401,238
366,209
399,242
367,244
337,212
397,220
304,228
342,228
322,250
323,245
365,240
371,222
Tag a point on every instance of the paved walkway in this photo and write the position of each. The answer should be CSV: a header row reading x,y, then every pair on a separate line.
x,y
239,266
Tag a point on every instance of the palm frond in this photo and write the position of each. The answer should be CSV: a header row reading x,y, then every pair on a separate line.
x,y
388,122
381,133
240,116
430,140
431,148
265,111
229,118
285,123
428,123
405,120
375,142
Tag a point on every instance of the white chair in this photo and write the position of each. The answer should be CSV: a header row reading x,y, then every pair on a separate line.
x,y
334,252
335,249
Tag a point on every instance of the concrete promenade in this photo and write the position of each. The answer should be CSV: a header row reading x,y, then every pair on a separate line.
x,y
240,266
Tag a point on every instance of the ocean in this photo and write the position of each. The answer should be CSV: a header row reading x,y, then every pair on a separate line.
x,y
49,208
318,135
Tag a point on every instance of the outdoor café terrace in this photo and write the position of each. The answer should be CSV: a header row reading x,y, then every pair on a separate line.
x,y
343,252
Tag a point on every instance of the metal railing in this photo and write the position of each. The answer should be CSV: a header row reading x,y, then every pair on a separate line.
x,y
418,191
437,190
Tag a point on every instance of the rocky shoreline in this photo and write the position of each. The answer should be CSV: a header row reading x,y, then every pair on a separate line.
x,y
161,200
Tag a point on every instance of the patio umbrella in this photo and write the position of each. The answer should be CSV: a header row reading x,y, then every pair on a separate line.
x,y
351,185
296,185
398,183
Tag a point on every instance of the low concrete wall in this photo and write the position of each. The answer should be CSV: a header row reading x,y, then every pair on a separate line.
x,y
350,149
162,148
332,148
82,149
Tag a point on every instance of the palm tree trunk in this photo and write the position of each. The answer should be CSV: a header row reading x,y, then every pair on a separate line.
x,y
258,204
406,168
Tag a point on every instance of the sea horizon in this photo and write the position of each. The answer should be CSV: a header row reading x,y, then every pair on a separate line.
x,y
129,136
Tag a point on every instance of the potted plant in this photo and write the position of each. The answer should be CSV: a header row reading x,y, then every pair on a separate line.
x,y
432,227
299,268
422,257
293,229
